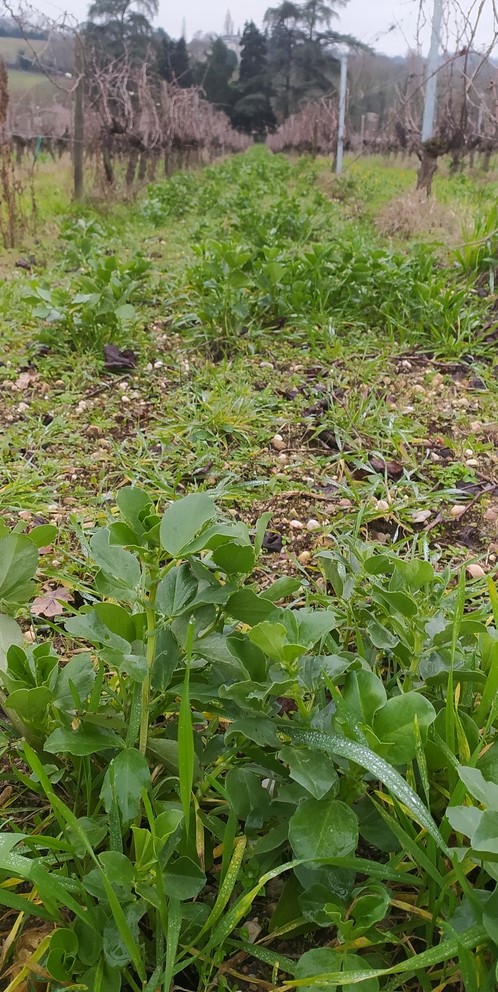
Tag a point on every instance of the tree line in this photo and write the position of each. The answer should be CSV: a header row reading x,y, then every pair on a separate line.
x,y
291,61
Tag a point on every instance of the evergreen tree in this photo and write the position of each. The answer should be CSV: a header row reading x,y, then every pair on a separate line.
x,y
301,50
253,111
215,73
118,26
173,63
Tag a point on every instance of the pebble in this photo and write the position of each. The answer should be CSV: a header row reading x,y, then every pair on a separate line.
x,y
313,524
472,462
405,364
82,406
417,388
420,516
22,407
283,458
456,511
475,426
468,452
304,557
475,571
25,515
296,525
382,504
265,365
278,442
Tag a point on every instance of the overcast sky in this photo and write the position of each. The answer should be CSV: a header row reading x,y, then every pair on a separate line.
x,y
390,26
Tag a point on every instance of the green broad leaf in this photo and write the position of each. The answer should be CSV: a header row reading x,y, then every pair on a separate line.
x,y
62,954
364,694
380,636
397,602
315,963
77,676
314,625
122,535
125,312
323,828
370,905
259,729
309,769
444,951
183,520
235,559
464,819
30,704
43,535
166,659
394,725
10,633
271,638
120,565
246,606
105,624
18,564
415,574
87,739
175,591
245,792
95,829
183,879
485,836
378,565
134,505
490,916
116,948
127,775
281,589
321,906
478,787
342,747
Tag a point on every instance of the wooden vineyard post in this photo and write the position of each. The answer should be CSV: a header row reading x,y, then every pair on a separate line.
x,y
79,121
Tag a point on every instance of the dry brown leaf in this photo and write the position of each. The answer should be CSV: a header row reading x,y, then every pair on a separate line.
x,y
25,380
47,605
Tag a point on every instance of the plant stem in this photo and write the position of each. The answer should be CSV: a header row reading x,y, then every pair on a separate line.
x,y
150,614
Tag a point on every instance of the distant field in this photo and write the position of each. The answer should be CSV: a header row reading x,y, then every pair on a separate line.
x,y
35,86
9,48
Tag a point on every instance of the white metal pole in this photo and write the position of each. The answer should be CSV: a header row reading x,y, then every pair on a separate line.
x,y
342,114
432,68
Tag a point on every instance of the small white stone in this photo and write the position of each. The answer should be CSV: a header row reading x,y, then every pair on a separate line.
x,y
283,458
125,399
475,426
313,524
456,511
159,364
304,557
82,405
472,462
22,407
297,525
468,452
420,516
382,504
